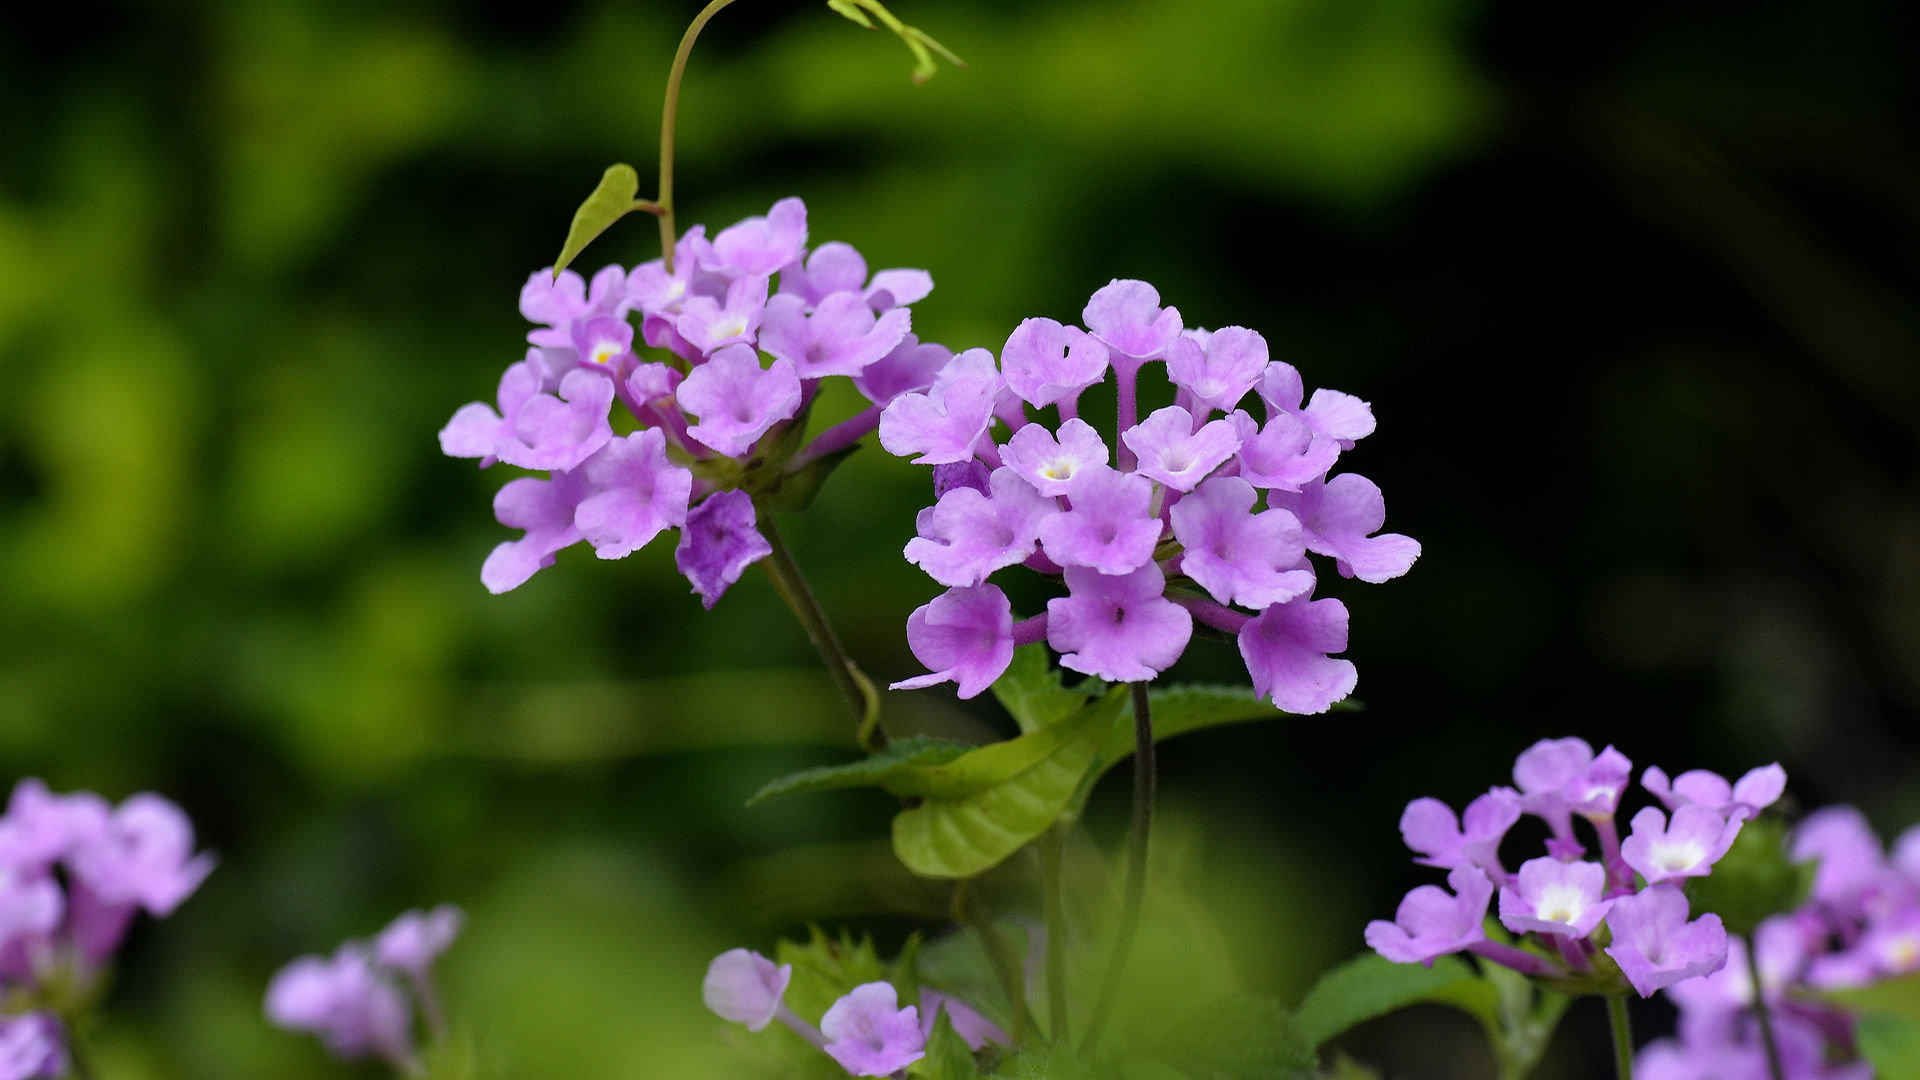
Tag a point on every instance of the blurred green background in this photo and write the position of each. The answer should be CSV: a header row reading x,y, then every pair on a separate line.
x,y
1632,292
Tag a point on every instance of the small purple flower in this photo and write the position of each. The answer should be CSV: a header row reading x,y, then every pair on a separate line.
x,y
1219,371
344,1001
870,1035
558,303
1341,517
974,1029
1594,793
967,535
898,287
414,940
1757,790
709,324
840,337
1893,942
143,857
1286,650
718,543
603,342
1656,946
759,246
40,827
961,474
911,366
1127,316
31,906
32,1045
1906,854
1173,453
832,267
1050,463
653,291
1285,454
1686,847
1048,364
1109,528
1545,773
1431,922
1429,827
637,493
736,400
1119,628
1240,557
744,987
1341,417
947,422
544,509
1847,849
535,429
964,636
1549,896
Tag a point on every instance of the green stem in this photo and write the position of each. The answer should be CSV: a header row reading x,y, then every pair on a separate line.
x,y
1774,1068
862,698
1622,1036
662,207
77,1063
1005,962
1144,779
1052,847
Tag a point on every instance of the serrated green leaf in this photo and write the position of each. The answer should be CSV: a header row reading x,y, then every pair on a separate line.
x,y
878,770
1370,986
1178,710
947,1056
825,969
1056,1062
616,196
956,836
1031,690
1754,880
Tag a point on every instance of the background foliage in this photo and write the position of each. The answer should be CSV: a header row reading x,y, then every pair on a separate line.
x,y
1633,298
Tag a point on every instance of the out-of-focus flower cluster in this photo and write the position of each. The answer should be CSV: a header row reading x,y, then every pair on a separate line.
x,y
1860,924
866,1031
710,422
1195,509
357,1000
1561,899
74,871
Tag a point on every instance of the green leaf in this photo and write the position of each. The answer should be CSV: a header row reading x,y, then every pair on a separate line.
x,y
615,198
1891,1043
1241,1037
1898,998
1754,880
1031,690
824,969
955,835
1346,1068
880,770
947,1056
851,11
1371,986
1178,710
796,490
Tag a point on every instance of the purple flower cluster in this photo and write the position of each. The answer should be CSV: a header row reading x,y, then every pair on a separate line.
x,y
708,409
74,871
1199,496
867,1031
1861,924
354,1000
1634,888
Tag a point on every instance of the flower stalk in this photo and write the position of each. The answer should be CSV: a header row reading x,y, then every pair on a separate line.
x,y
1144,781
862,699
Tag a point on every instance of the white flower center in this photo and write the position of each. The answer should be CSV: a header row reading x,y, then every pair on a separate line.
x,y
1903,953
1674,857
730,328
1560,903
604,352
1058,469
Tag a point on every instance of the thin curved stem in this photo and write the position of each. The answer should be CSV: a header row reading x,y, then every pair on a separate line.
x,y
1000,955
1774,1067
669,114
1622,1036
1144,780
862,699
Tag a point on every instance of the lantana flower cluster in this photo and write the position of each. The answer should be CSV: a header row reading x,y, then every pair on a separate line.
x,y
1562,899
1193,511
359,1001
74,871
867,1031
1860,924
715,384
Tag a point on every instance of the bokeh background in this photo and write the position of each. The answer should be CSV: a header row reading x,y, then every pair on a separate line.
x,y
1632,290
